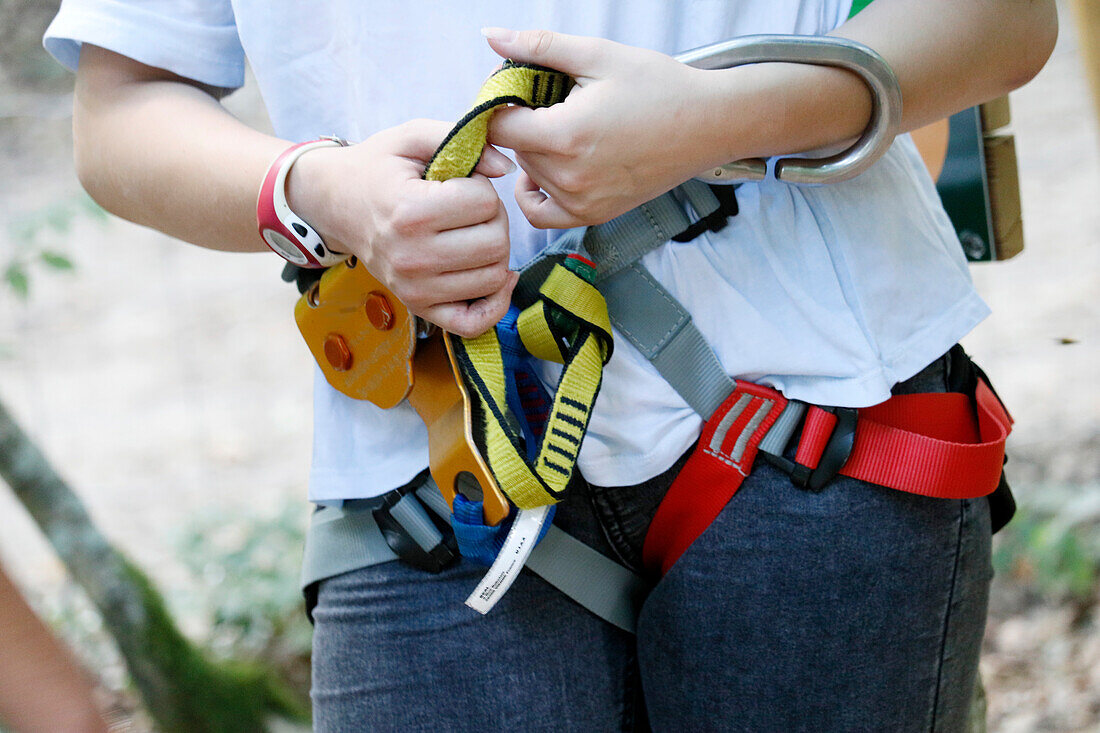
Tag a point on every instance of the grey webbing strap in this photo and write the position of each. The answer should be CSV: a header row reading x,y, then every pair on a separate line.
x,y
410,514
598,583
621,241
341,540
627,238
775,442
661,329
601,585
699,195
641,309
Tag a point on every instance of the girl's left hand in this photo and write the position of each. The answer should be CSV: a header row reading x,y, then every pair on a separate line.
x,y
629,131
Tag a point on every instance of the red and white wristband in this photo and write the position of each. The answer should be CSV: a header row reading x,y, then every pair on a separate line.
x,y
286,233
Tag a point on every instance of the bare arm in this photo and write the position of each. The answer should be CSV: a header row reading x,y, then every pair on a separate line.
x,y
601,152
161,151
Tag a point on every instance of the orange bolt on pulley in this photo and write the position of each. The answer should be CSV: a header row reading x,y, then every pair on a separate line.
x,y
379,311
338,352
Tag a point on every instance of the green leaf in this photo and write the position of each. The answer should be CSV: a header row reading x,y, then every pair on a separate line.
x,y
16,278
92,208
59,217
23,231
55,260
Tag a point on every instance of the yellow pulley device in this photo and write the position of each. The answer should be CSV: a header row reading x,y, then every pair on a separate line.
x,y
370,346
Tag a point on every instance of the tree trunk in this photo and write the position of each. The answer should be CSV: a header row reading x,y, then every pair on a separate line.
x,y
182,689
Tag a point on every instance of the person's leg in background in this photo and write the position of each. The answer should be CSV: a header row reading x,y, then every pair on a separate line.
x,y
41,687
1087,13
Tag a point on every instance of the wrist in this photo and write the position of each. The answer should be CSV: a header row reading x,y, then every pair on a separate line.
x,y
285,230
309,192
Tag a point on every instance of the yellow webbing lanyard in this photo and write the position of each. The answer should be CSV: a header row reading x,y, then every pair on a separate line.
x,y
568,324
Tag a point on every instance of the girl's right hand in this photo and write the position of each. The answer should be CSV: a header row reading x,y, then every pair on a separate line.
x,y
440,247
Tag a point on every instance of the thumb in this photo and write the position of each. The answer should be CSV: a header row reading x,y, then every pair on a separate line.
x,y
574,55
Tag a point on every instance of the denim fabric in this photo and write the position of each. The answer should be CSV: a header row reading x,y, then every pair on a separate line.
x,y
395,648
858,608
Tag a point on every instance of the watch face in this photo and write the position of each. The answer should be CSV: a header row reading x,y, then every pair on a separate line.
x,y
285,247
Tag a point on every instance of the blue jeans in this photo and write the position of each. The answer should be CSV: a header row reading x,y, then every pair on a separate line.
x,y
858,608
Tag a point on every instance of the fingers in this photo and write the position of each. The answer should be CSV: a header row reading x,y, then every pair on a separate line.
x,y
468,248
454,287
528,130
473,318
454,267
415,139
427,207
493,163
543,211
577,56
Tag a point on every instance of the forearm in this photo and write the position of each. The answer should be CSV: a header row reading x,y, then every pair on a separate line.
x,y
948,55
159,151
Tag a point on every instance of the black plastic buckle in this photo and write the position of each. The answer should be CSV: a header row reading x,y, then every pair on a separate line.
x,y
836,453
407,549
716,220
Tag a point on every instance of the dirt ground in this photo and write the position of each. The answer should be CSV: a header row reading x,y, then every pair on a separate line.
x,y
164,379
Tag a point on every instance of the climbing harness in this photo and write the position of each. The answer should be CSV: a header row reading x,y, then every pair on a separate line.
x,y
492,452
925,444
350,536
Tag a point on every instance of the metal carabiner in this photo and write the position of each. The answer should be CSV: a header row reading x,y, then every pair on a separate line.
x,y
821,51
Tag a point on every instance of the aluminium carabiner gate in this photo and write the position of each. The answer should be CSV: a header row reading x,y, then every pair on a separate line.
x,y
819,51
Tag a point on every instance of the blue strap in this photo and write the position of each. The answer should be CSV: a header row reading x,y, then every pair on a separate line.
x,y
524,392
528,400
477,541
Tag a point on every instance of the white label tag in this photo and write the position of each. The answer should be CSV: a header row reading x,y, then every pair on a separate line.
x,y
504,570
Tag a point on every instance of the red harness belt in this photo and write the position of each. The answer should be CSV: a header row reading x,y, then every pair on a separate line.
x,y
925,444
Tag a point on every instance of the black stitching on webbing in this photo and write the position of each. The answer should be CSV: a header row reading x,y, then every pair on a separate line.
x,y
489,104
551,465
572,420
495,101
510,64
560,450
535,88
562,434
575,404
486,397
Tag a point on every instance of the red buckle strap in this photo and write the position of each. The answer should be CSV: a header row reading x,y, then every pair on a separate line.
x,y
706,483
926,444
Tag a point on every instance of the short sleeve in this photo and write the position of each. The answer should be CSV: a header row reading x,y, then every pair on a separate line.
x,y
196,39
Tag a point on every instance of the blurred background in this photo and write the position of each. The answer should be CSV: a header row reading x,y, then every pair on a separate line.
x,y
169,388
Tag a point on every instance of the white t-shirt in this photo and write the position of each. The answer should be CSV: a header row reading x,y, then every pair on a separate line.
x,y
831,294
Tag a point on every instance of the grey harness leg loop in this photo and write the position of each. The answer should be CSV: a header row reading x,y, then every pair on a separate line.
x,y
346,538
